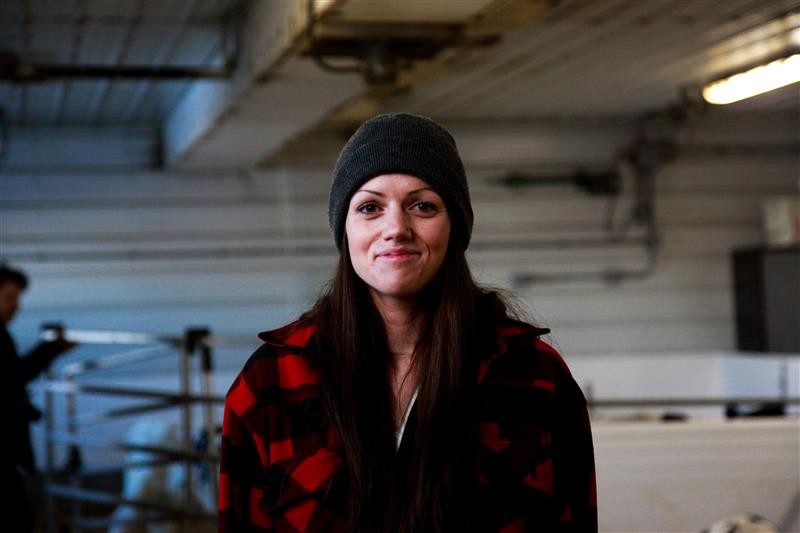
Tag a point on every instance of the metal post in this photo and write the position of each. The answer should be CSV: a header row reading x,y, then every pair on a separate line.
x,y
72,429
186,348
48,331
208,410
49,404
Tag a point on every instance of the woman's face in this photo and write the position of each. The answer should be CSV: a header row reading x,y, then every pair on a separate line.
x,y
397,233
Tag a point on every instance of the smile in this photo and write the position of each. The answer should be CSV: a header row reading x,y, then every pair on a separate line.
x,y
399,255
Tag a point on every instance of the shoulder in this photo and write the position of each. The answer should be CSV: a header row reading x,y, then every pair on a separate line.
x,y
528,382
522,342
294,335
279,366
522,357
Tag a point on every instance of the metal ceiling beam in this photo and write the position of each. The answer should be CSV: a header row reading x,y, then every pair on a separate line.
x,y
274,95
79,34
246,122
123,46
41,73
163,56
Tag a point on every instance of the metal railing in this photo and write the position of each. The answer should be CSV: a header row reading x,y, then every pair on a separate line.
x,y
141,347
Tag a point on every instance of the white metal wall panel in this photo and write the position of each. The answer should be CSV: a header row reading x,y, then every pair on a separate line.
x,y
685,477
706,207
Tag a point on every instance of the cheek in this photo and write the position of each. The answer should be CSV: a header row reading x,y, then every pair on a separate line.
x,y
352,237
358,248
440,237
357,243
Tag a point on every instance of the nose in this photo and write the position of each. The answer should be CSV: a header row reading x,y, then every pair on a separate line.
x,y
397,225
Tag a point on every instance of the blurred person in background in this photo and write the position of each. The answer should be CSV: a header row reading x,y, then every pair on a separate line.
x,y
16,372
409,398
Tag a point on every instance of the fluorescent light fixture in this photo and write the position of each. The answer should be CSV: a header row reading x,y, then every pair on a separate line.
x,y
758,80
322,6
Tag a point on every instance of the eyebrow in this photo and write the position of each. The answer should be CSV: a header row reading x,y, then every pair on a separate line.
x,y
376,193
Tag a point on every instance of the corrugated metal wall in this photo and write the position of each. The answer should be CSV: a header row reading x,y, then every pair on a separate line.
x,y
159,252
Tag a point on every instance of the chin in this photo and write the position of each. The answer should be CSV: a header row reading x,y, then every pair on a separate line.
x,y
398,291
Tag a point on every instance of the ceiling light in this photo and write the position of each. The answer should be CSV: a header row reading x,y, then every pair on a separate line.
x,y
758,80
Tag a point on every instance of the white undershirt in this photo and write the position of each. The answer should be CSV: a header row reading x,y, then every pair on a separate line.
x,y
405,417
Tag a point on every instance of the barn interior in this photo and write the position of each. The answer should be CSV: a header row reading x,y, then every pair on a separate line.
x,y
165,168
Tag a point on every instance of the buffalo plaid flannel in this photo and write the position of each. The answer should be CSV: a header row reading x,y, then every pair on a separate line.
x,y
281,463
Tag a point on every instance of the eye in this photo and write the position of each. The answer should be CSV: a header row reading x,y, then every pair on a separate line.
x,y
425,207
367,208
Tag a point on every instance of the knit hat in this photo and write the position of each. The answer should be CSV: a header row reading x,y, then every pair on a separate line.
x,y
399,143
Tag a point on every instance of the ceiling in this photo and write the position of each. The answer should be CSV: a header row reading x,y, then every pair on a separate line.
x,y
498,60
613,57
103,32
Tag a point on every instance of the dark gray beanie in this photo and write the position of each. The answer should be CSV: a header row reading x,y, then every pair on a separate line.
x,y
399,143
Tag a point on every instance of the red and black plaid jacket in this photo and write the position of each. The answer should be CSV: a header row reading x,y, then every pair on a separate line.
x,y
280,458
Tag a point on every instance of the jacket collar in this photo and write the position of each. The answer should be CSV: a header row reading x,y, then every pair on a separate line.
x,y
510,333
513,329
292,336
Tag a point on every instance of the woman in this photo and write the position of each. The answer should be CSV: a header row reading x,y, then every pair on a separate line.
x,y
406,399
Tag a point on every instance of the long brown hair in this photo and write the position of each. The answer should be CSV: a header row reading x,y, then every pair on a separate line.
x,y
353,356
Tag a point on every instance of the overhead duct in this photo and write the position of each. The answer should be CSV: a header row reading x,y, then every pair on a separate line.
x,y
378,39
274,95
396,45
280,91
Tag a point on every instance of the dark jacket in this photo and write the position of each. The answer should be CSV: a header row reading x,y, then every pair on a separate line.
x,y
16,373
279,463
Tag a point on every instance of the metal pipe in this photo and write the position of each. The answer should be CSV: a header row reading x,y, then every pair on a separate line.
x,y
42,73
658,402
96,442
96,496
609,275
67,387
121,468
94,418
109,337
114,361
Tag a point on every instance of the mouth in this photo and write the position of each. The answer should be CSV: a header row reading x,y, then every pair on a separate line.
x,y
397,255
